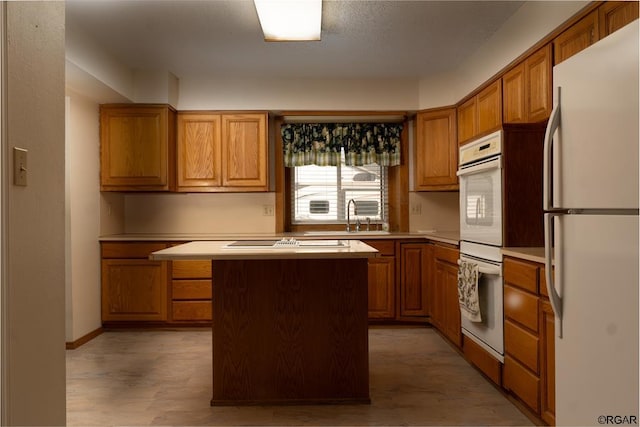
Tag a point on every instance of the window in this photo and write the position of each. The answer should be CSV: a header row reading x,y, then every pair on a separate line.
x,y
320,194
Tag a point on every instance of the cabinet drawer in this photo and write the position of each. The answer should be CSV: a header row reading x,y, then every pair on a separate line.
x,y
521,274
447,254
191,269
522,345
522,383
130,250
521,306
191,310
191,289
386,247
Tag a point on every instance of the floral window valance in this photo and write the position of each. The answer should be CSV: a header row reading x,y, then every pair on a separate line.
x,y
320,143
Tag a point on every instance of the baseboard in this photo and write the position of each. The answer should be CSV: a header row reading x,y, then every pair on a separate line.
x,y
83,340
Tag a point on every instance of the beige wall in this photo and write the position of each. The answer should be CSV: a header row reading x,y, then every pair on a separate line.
x,y
82,216
34,276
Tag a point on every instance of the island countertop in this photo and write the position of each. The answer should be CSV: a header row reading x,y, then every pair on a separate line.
x,y
224,250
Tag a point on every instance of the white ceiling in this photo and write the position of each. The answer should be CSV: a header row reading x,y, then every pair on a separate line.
x,y
360,39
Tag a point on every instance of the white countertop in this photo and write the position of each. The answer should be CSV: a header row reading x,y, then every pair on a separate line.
x,y
535,254
220,250
450,237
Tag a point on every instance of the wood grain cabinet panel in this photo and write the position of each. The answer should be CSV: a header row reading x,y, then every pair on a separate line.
x,y
191,269
521,274
414,279
480,114
222,152
134,290
191,311
199,151
199,289
522,382
436,150
245,152
490,108
521,307
445,309
382,288
137,145
522,345
614,15
527,89
576,38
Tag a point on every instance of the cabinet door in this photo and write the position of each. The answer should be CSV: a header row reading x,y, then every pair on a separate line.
x,y
490,108
436,153
547,363
133,290
135,146
382,288
414,279
244,152
513,83
452,321
199,167
576,38
614,15
538,90
467,120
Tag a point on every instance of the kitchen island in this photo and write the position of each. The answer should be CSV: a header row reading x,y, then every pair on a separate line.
x,y
289,320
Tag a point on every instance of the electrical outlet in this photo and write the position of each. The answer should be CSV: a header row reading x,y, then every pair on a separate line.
x,y
416,209
267,210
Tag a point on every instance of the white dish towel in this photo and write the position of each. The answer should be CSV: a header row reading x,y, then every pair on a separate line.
x,y
468,291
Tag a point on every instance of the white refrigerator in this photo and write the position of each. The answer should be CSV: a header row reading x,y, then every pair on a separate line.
x,y
591,231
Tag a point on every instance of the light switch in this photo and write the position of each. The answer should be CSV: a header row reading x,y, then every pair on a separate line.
x,y
19,166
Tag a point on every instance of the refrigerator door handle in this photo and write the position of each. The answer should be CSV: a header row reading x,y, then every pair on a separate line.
x,y
554,297
552,126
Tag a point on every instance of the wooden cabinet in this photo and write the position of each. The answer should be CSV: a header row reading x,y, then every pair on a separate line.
x,y
527,89
415,276
445,309
576,38
199,151
436,150
613,15
191,290
382,281
244,151
137,144
529,366
480,114
133,287
222,152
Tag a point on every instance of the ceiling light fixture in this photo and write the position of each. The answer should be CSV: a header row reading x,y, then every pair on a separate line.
x,y
290,20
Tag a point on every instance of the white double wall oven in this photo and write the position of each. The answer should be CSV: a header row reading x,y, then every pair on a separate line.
x,y
481,228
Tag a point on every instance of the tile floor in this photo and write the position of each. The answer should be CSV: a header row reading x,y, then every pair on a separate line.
x,y
164,378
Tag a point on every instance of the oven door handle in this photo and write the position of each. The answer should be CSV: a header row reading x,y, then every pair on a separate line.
x,y
491,271
491,164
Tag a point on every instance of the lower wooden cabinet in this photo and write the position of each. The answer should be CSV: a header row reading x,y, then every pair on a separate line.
x,y
191,290
133,287
382,281
529,338
415,276
136,290
445,309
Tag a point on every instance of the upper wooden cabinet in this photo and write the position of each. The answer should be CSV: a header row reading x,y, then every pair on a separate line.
x,y
527,89
436,150
199,151
481,114
614,15
222,152
576,38
137,144
244,151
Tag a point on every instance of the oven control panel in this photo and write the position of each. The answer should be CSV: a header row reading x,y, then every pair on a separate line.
x,y
487,146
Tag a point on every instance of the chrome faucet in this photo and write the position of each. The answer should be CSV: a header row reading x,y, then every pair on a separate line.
x,y
355,212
